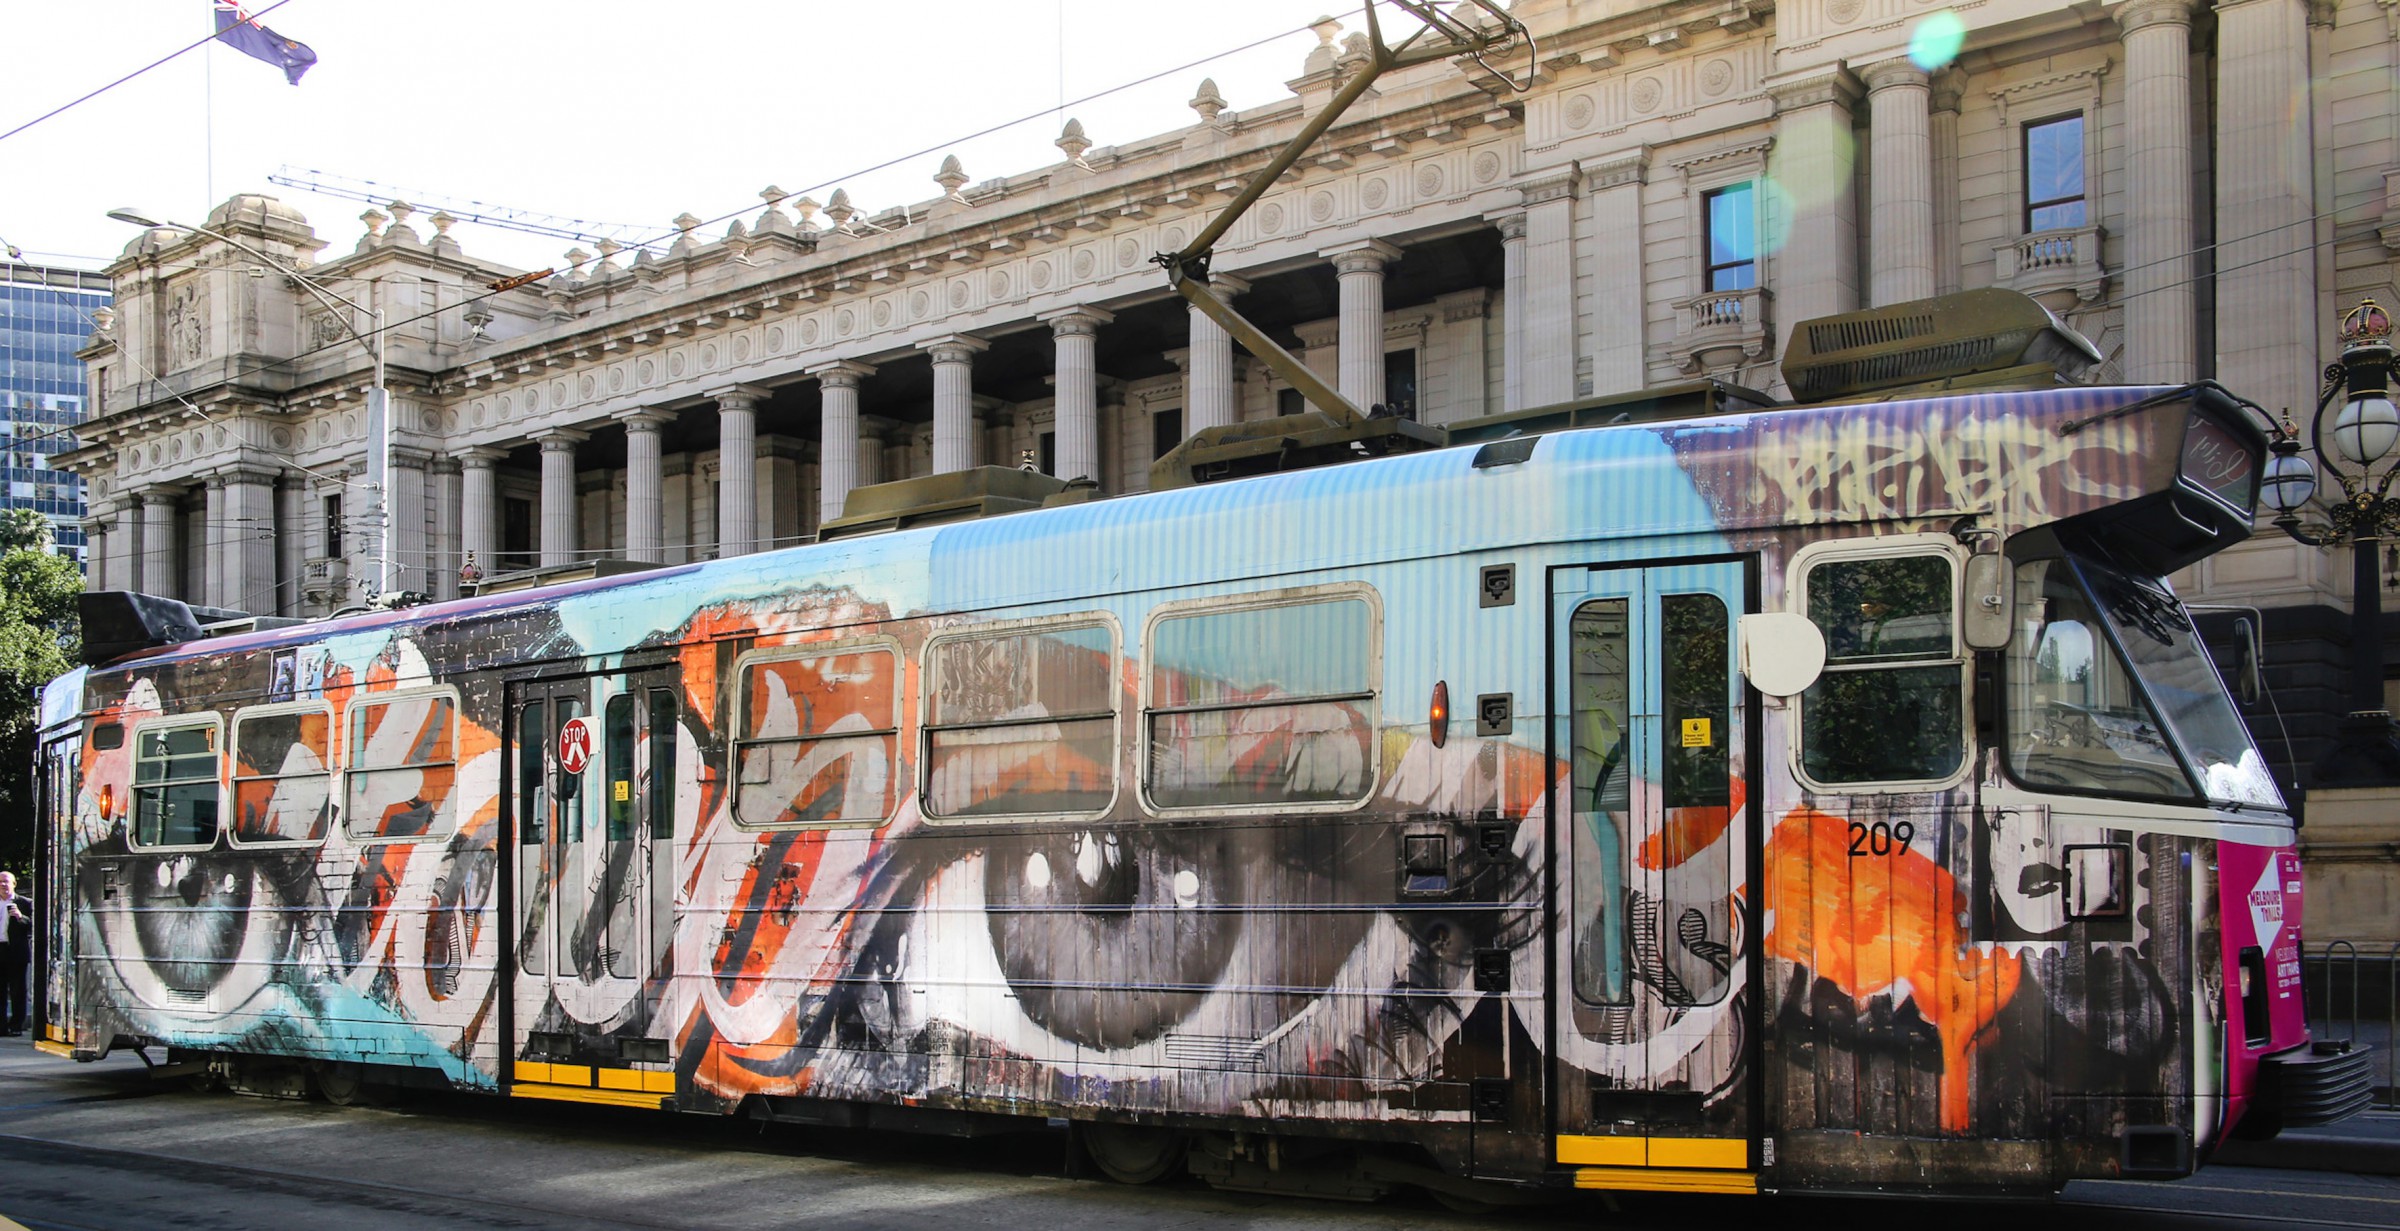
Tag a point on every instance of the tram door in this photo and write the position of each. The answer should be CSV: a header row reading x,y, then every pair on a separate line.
x,y
1650,1001
593,801
56,782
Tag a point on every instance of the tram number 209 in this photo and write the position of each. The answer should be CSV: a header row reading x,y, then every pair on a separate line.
x,y
1880,838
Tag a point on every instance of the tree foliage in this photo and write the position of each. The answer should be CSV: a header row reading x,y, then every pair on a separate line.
x,y
38,641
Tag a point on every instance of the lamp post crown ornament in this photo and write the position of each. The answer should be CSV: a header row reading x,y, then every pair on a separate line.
x,y
2367,325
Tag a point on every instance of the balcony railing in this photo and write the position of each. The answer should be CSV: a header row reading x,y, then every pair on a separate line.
x,y
2060,268
1723,329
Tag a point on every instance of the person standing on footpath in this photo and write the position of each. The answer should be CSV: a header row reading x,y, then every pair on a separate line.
x,y
16,953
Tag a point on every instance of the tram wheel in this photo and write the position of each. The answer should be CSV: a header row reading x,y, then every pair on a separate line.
x,y
1132,1153
340,1081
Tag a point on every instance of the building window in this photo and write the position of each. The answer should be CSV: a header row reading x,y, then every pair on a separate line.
x,y
282,774
2054,198
334,548
1166,431
1048,446
1400,383
1890,706
818,741
1731,215
1021,721
402,763
1268,704
175,794
1290,402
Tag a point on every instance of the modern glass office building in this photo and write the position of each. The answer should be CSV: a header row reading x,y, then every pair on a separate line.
x,y
45,316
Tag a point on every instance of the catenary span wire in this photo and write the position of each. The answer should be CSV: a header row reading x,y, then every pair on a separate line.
x,y
388,326
63,107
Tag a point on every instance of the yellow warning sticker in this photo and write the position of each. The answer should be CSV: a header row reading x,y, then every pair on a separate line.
x,y
1696,733
622,789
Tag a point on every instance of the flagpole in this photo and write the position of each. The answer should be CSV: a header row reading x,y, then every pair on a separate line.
x,y
208,120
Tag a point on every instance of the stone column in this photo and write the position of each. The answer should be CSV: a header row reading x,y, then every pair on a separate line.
x,y
1546,327
2158,298
1512,308
1614,333
1360,350
644,473
558,495
216,521
2268,314
837,435
1943,141
407,511
159,565
737,469
876,435
441,561
954,400
1816,274
1208,394
291,541
479,508
1076,333
1900,102
242,523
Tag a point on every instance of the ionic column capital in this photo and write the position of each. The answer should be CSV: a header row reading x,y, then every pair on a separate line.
x,y
737,397
1076,322
2142,14
954,348
561,439
1901,73
1367,256
481,457
644,419
840,374
1510,224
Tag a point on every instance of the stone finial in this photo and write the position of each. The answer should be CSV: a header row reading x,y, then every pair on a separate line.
x,y
608,249
839,208
104,318
442,222
687,222
1073,142
401,210
808,208
575,259
1208,102
1320,57
951,177
772,220
1354,48
772,195
374,218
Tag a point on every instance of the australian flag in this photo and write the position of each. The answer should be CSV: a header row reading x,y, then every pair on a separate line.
x,y
236,30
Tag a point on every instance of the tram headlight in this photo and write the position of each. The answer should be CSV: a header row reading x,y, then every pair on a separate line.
x,y
2290,480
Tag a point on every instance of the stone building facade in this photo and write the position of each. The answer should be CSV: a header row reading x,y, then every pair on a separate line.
x,y
2199,188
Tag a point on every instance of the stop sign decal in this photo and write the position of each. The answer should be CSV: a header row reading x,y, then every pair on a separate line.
x,y
575,745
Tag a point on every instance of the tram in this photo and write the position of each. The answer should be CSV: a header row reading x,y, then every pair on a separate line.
x,y
1729,796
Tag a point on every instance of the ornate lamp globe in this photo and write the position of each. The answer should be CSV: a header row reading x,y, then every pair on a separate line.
x,y
2369,425
2289,480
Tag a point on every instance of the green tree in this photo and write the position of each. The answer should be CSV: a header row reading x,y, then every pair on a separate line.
x,y
39,639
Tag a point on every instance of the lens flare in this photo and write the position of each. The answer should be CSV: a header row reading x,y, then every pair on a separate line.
x,y
1936,40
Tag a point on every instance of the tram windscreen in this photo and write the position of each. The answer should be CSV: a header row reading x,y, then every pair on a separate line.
x,y
2110,690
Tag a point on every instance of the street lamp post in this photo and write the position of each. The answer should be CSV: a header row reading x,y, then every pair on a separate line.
x,y
2362,435
379,421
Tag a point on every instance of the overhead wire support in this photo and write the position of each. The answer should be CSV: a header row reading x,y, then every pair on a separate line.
x,y
1187,270
484,213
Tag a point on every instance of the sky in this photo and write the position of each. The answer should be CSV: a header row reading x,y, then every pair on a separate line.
x,y
603,110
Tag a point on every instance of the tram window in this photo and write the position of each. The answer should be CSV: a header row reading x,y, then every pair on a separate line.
x,y
619,736
175,795
819,737
1891,704
1262,705
2076,716
1600,658
1021,722
533,741
402,766
282,775
662,763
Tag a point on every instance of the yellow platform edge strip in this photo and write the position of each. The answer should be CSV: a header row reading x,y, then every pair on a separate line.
x,y
585,1094
1730,1154
1663,1180
648,1080
60,1050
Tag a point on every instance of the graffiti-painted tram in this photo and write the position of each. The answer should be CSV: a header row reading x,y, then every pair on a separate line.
x,y
1737,798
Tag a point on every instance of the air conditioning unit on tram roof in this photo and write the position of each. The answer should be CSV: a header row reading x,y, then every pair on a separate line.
x,y
1974,339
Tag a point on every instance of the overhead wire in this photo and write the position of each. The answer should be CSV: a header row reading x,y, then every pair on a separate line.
x,y
69,106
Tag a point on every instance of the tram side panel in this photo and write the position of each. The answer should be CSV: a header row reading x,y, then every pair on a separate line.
x,y
299,922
